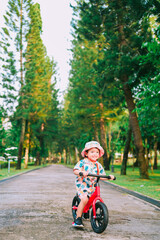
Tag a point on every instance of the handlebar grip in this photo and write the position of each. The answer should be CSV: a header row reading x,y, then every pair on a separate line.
x,y
81,174
109,177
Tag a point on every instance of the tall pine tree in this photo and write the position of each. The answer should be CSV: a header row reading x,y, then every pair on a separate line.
x,y
39,94
13,46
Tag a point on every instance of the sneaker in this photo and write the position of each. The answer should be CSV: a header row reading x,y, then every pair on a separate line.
x,y
78,223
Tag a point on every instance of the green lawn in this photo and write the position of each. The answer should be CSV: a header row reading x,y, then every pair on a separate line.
x,y
4,171
133,182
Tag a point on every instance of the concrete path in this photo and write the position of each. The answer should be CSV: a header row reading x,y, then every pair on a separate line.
x,y
37,205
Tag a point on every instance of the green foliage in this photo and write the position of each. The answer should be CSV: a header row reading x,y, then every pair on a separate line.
x,y
28,87
40,96
118,129
88,92
13,135
148,92
10,47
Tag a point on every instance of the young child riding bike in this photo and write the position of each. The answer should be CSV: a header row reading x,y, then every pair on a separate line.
x,y
85,184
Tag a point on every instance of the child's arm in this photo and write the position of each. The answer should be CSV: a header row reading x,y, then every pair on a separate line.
x,y
112,177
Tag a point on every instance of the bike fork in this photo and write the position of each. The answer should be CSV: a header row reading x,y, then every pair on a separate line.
x,y
94,205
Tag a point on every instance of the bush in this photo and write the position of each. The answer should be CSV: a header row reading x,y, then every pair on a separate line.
x,y
5,164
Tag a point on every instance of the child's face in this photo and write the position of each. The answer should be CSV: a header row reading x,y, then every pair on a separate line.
x,y
93,154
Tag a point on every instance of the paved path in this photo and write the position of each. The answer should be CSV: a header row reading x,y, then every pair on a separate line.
x,y
37,206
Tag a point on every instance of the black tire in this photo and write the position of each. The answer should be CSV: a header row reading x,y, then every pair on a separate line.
x,y
100,223
75,202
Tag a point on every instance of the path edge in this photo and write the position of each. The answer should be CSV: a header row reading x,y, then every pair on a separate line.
x,y
19,174
136,194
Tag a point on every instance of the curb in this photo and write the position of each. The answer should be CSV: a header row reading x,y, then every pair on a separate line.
x,y
136,194
18,174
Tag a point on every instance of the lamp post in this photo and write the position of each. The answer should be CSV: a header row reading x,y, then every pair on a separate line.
x,y
112,160
9,165
8,154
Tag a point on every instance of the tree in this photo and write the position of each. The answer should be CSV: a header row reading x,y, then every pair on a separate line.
x,y
13,48
124,30
40,97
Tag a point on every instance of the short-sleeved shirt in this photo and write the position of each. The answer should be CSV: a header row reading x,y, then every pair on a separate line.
x,y
85,186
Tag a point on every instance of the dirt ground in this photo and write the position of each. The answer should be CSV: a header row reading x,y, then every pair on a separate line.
x,y
37,205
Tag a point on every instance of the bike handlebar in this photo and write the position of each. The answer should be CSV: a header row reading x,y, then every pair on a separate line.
x,y
95,175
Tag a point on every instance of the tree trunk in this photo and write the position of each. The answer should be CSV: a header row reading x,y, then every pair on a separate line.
x,y
26,151
79,154
95,132
20,149
69,156
60,157
126,150
104,144
64,156
50,155
109,139
27,146
38,160
26,157
76,155
146,152
155,166
136,129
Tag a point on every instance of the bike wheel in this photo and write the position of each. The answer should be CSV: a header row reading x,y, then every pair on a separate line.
x,y
100,223
75,202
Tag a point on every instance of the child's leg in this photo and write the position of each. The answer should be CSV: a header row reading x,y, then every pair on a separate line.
x,y
83,202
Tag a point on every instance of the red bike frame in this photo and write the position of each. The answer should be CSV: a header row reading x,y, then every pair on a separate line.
x,y
94,197
92,201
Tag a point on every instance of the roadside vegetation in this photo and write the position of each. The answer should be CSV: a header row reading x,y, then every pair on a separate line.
x,y
149,187
4,173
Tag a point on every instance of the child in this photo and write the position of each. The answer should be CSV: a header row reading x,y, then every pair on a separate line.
x,y
85,185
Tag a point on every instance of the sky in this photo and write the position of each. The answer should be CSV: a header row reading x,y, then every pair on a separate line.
x,y
56,17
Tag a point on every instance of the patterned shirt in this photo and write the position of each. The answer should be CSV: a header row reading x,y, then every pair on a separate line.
x,y
85,186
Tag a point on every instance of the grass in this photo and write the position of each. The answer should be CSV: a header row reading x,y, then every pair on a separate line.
x,y
132,181
5,174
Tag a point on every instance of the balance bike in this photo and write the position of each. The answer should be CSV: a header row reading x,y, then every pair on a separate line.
x,y
99,212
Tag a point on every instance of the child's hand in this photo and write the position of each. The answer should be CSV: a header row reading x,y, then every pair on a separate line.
x,y
83,173
112,177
